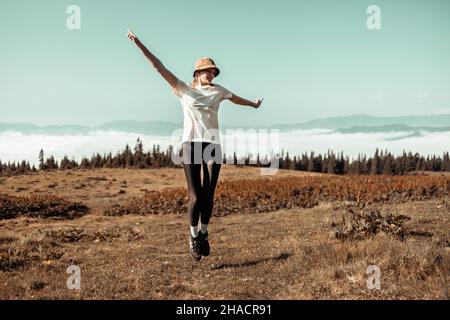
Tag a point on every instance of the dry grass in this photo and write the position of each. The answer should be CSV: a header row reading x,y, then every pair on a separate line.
x,y
39,206
271,194
286,254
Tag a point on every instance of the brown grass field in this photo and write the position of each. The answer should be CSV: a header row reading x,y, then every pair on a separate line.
x,y
271,249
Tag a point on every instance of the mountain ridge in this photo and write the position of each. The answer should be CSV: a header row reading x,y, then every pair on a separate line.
x,y
344,124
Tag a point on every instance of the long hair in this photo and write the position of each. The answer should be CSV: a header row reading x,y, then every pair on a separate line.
x,y
196,79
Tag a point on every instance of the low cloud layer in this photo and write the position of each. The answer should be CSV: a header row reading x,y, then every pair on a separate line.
x,y
16,146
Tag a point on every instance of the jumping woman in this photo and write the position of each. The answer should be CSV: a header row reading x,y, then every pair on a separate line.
x,y
201,147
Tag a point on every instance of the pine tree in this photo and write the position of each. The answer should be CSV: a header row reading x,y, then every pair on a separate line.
x,y
375,167
42,165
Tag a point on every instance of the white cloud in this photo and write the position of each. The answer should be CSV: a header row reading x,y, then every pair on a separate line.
x,y
423,95
17,147
442,111
379,96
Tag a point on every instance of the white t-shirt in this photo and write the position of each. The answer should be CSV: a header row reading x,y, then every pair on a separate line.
x,y
200,108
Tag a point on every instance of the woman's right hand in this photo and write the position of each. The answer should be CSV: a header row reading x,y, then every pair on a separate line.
x,y
131,35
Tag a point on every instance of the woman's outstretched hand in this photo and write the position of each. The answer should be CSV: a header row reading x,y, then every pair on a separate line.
x,y
258,103
131,35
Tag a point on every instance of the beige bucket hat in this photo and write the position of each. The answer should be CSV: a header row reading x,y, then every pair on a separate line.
x,y
205,63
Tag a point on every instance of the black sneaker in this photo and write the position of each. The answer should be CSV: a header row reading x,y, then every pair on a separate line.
x,y
204,244
194,247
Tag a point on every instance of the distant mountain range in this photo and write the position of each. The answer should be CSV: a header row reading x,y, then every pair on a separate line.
x,y
389,128
359,123
363,120
144,127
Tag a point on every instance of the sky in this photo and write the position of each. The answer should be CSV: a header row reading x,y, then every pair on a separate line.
x,y
307,59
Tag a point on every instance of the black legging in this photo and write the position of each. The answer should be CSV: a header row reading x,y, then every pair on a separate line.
x,y
201,197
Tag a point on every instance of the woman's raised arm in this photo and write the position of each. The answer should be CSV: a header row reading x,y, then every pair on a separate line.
x,y
166,74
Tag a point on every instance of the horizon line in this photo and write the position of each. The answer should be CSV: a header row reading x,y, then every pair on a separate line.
x,y
181,122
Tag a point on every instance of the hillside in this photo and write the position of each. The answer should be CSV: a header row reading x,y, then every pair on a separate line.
x,y
283,254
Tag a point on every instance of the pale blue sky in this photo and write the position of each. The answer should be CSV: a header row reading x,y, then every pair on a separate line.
x,y
308,59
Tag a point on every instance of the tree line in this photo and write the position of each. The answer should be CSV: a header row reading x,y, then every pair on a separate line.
x,y
379,163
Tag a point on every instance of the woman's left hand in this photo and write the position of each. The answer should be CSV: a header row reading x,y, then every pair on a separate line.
x,y
258,102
